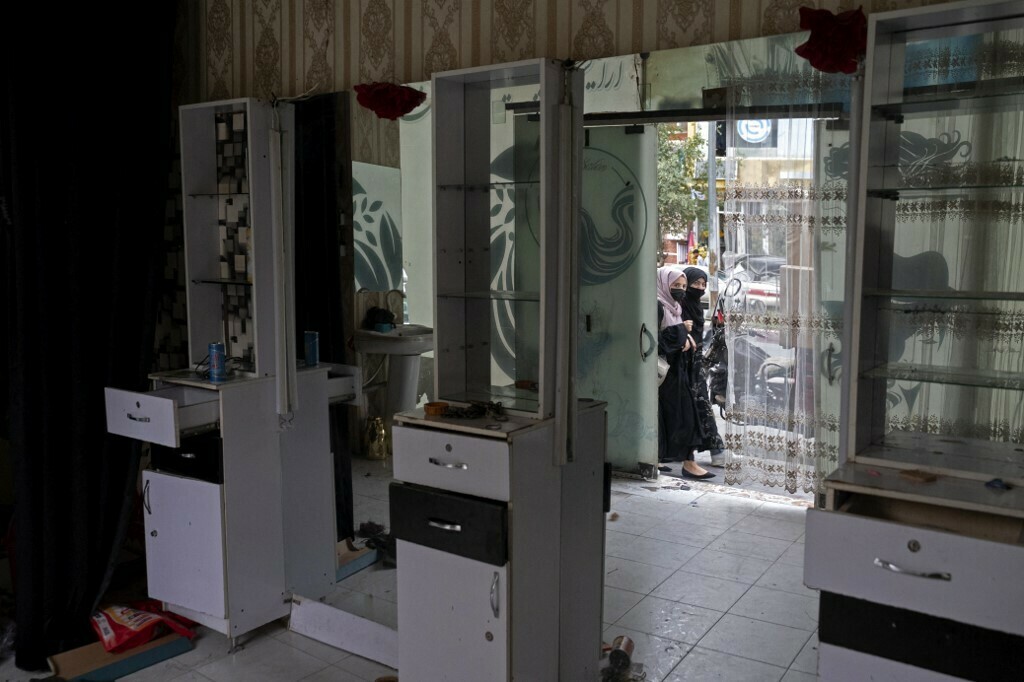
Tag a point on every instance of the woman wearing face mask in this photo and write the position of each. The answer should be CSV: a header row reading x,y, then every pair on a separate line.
x,y
679,430
692,311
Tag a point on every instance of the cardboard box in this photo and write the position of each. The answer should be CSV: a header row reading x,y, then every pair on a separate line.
x,y
93,663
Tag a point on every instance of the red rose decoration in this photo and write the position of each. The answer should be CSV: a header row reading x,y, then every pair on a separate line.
x,y
837,41
388,100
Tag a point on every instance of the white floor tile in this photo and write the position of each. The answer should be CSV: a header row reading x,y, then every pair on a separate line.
x,y
742,569
756,639
694,535
786,577
705,515
783,512
770,527
617,543
775,606
658,508
190,676
807,660
745,544
658,552
617,602
630,522
633,575
325,652
376,581
797,676
702,665
729,503
658,655
364,668
670,619
701,590
793,555
333,674
263,660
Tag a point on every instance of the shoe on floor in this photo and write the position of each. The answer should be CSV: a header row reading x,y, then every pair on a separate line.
x,y
664,468
706,474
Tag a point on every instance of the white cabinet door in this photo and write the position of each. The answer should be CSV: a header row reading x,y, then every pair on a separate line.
x,y
452,617
184,542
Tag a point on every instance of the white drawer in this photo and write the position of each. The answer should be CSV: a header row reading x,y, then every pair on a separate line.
x,y
861,557
161,415
451,461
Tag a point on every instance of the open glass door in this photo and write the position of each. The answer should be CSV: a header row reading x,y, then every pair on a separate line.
x,y
618,327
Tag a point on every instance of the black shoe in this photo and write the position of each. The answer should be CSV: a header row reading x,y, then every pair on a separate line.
x,y
664,468
706,474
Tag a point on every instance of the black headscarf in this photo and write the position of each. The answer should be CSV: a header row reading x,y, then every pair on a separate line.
x,y
692,309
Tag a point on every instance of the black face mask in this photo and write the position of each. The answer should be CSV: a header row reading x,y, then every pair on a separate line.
x,y
679,295
694,293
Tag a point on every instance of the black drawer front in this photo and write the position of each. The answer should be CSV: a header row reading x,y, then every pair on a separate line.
x,y
199,456
472,527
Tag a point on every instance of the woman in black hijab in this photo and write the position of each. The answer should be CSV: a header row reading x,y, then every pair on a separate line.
x,y
692,310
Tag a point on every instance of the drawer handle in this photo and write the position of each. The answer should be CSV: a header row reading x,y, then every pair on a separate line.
x,y
439,463
889,566
494,594
441,525
137,419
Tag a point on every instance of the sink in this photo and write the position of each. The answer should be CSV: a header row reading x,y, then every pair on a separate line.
x,y
404,339
403,345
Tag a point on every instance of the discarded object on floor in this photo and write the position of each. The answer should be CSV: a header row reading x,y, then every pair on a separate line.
x,y
352,560
376,439
122,627
918,476
622,652
94,663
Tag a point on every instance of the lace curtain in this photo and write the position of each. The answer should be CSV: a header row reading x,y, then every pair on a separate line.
x,y
783,236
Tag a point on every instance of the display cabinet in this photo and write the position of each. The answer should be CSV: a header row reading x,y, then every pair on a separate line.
x,y
239,493
503,143
920,538
235,208
500,570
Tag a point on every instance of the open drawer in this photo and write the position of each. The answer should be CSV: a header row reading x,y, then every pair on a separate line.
x,y
162,415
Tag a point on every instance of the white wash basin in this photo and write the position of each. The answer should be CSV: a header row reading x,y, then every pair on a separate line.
x,y
404,339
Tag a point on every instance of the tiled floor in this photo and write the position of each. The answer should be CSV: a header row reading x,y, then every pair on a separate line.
x,y
707,581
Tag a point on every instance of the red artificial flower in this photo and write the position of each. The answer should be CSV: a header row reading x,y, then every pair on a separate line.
x,y
837,41
388,100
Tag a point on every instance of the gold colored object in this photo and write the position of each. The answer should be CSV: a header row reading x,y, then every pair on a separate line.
x,y
435,409
375,440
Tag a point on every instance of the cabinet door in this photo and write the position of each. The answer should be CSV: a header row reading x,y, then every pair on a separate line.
x,y
184,542
452,616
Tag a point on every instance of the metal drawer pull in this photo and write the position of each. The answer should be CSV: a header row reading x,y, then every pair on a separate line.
x,y
439,463
494,594
137,419
451,527
889,566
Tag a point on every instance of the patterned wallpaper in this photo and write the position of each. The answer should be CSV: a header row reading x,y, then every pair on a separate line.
x,y
259,48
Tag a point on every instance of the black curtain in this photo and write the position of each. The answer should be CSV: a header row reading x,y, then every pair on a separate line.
x,y
322,185
85,150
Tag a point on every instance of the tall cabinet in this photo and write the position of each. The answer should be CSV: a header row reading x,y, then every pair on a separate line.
x,y
238,498
920,544
497,509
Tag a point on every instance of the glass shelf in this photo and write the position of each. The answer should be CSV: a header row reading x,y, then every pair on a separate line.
x,y
946,295
511,398
924,191
978,378
485,187
970,102
241,282
494,295
983,459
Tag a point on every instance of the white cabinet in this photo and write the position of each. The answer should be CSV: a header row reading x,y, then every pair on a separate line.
x,y
184,542
472,595
240,492
921,539
500,549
